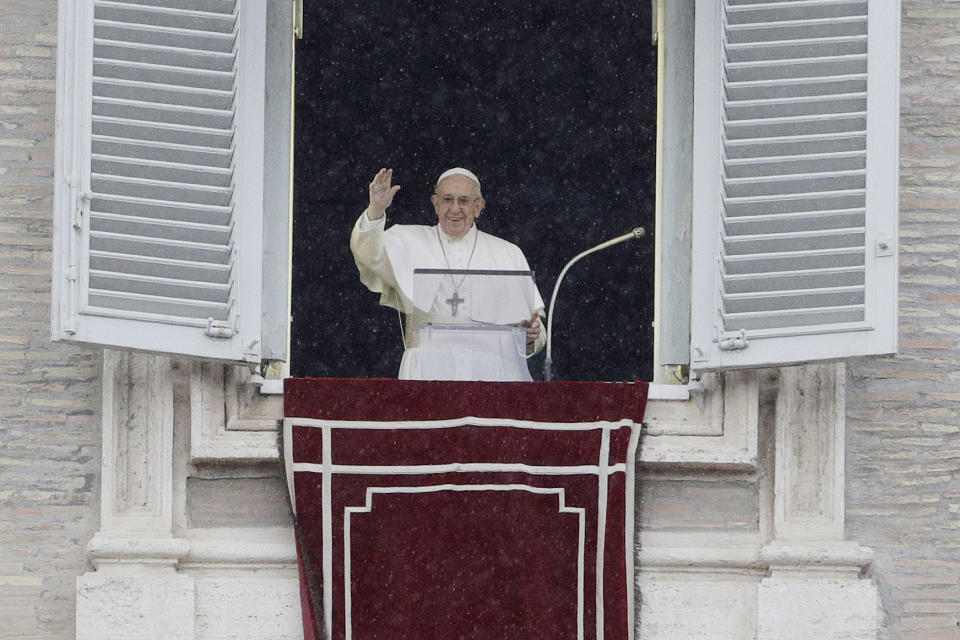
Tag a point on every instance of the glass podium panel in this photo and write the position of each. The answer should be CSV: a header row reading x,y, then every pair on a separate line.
x,y
471,325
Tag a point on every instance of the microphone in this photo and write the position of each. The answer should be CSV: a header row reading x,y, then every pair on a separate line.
x,y
638,232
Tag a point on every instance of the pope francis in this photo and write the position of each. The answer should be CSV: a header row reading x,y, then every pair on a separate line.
x,y
463,292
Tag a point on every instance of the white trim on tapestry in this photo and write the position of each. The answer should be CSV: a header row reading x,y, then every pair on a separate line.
x,y
628,528
271,387
368,507
288,463
461,422
602,493
459,467
327,507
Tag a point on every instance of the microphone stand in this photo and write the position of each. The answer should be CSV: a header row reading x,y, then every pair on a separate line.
x,y
637,232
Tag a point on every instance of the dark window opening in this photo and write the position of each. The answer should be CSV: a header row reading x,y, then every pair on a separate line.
x,y
552,105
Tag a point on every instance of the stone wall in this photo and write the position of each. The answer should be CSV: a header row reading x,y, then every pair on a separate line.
x,y
903,430
49,393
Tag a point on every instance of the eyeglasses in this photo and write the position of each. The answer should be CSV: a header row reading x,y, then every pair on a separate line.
x,y
463,201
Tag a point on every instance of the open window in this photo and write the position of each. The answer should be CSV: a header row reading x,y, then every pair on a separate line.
x,y
168,199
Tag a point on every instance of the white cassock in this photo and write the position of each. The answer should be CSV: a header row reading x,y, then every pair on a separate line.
x,y
386,259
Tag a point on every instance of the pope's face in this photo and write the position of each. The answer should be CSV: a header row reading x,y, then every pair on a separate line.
x,y
457,203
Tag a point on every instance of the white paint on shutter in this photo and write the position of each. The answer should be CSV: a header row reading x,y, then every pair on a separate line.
x,y
168,158
797,107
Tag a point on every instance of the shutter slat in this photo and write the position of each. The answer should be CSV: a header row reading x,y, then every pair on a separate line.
x,y
792,280
163,113
764,301
804,106
794,184
162,132
169,229
797,126
794,222
796,317
136,91
213,6
162,152
797,88
184,270
773,243
146,208
164,287
806,163
791,203
160,74
164,55
793,260
797,48
159,16
159,248
820,67
160,190
161,171
163,36
787,30
795,145
796,10
159,305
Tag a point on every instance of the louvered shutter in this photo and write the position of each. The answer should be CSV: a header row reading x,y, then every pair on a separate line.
x,y
159,200
795,181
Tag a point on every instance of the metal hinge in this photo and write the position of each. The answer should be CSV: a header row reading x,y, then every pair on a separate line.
x,y
80,209
219,329
735,343
884,245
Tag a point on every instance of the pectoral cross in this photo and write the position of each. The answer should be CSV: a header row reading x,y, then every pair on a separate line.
x,y
454,301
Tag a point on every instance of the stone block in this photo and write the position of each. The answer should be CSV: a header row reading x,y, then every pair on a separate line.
x,y
236,608
152,606
792,608
697,607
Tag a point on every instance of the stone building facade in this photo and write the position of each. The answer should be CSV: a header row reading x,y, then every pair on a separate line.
x,y
98,447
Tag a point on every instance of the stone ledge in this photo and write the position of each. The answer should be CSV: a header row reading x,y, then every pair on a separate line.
x,y
106,549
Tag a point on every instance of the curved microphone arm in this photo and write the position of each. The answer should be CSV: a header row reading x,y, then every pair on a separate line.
x,y
637,232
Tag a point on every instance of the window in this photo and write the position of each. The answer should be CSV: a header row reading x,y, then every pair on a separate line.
x,y
552,104
164,202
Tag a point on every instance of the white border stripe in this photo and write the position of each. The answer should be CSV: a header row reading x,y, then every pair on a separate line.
x,y
457,467
602,491
460,422
368,507
628,525
290,468
327,502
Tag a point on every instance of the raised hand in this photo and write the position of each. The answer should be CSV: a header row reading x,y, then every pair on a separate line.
x,y
381,194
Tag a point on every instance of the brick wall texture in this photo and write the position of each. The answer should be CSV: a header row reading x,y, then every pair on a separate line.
x,y
903,454
903,428
49,393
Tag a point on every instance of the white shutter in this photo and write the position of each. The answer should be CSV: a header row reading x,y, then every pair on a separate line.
x,y
795,181
159,203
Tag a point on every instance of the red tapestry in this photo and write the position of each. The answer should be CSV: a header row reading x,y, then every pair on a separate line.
x,y
467,510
